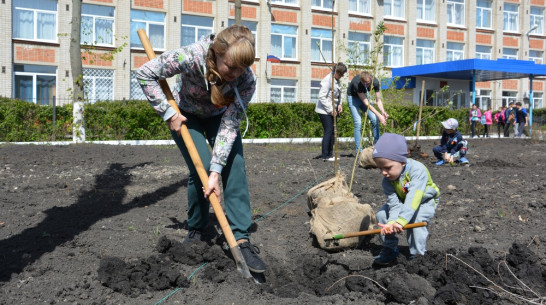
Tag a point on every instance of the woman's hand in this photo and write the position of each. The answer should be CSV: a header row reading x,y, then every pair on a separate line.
x,y
176,121
213,185
391,228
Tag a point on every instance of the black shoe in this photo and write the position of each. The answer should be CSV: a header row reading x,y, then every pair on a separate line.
x,y
193,236
250,254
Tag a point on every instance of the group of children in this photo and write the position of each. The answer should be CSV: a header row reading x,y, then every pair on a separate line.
x,y
513,115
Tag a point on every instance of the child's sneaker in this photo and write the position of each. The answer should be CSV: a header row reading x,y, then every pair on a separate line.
x,y
440,162
386,256
463,160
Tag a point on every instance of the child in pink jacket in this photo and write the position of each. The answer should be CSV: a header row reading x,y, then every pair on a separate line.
x,y
488,122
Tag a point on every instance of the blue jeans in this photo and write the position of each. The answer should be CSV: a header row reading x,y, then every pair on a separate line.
x,y
328,139
355,104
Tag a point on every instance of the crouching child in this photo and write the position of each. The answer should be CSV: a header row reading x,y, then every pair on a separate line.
x,y
411,194
452,145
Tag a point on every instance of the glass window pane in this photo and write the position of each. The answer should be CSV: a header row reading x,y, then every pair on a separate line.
x,y
98,10
45,87
276,95
105,31
289,47
23,24
47,26
135,26
48,5
23,87
157,36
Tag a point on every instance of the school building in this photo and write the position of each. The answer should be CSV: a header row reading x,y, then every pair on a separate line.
x,y
35,65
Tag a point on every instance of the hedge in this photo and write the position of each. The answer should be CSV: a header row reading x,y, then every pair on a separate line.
x,y
21,121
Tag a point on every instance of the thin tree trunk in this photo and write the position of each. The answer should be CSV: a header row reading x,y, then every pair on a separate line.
x,y
238,12
78,128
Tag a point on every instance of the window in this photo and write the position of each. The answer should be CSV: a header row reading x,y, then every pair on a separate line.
x,y
511,17
455,12
509,53
283,91
393,8
483,99
428,99
426,10
509,97
285,2
536,56
193,28
153,23
359,48
35,20
425,51
284,41
484,14
537,99
97,25
315,88
455,51
98,84
537,18
458,99
136,90
483,52
321,40
322,4
36,84
393,51
359,7
251,25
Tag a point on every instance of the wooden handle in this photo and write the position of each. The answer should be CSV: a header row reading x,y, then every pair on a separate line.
x,y
377,231
190,146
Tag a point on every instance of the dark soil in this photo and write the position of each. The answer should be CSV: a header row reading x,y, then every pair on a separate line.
x,y
101,224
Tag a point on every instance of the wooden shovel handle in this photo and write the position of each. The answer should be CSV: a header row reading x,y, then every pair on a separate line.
x,y
196,159
376,231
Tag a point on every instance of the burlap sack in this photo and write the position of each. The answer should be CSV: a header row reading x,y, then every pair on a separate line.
x,y
328,189
340,215
365,159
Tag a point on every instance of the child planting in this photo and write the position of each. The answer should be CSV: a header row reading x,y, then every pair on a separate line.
x,y
452,145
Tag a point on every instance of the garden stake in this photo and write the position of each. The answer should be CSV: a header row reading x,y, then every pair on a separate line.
x,y
185,134
336,237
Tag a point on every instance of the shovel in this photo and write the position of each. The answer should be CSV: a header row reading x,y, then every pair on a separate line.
x,y
242,267
369,232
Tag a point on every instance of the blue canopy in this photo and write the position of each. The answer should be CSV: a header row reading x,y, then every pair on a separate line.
x,y
477,70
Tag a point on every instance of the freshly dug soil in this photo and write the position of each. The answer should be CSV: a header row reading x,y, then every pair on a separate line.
x,y
101,224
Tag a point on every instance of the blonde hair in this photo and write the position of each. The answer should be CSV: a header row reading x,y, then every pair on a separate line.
x,y
237,43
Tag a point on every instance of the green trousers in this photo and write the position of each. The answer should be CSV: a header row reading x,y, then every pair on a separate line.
x,y
234,180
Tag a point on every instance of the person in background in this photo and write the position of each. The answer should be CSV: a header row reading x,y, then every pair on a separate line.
x,y
452,145
474,117
327,111
411,194
214,84
522,120
510,117
499,119
488,122
358,92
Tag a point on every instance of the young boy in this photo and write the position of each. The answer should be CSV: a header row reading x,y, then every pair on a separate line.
x,y
452,144
412,197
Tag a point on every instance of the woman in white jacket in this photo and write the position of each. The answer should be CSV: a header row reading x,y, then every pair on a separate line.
x,y
327,111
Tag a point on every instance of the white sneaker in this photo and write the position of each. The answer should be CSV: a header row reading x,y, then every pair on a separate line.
x,y
331,159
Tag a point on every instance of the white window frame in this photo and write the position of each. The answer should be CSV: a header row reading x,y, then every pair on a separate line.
x,y
96,39
148,23
536,17
510,15
422,9
196,28
283,36
509,97
365,9
285,2
451,53
537,99
282,84
394,10
323,6
252,26
390,49
92,90
508,53
423,50
315,89
481,54
36,12
537,57
322,40
483,97
454,6
34,75
361,48
483,13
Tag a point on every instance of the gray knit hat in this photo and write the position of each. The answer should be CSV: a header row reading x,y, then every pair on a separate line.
x,y
391,146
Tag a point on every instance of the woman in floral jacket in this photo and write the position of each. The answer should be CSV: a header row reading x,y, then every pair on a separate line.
x,y
214,84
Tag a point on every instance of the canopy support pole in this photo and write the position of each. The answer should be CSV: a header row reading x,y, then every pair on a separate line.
x,y
473,87
530,104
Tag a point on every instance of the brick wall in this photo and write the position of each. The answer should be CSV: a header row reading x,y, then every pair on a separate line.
x,y
510,41
197,6
484,39
536,44
423,32
483,85
510,84
95,59
360,25
322,20
149,3
284,16
281,70
35,54
455,36
393,28
246,11
319,73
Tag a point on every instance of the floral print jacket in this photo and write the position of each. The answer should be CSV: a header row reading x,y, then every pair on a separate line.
x,y
192,93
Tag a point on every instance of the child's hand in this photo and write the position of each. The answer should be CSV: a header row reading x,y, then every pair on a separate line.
x,y
390,228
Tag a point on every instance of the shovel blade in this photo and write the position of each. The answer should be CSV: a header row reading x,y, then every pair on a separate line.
x,y
240,262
